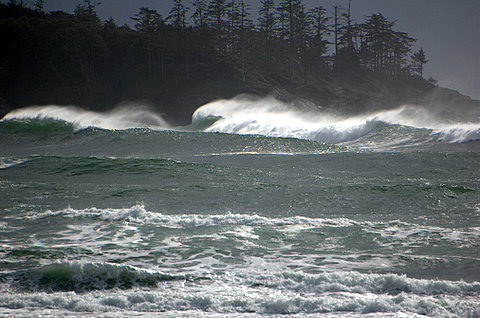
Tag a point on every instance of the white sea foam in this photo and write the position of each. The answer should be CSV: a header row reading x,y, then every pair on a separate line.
x,y
397,230
122,117
6,163
270,117
139,214
268,293
459,132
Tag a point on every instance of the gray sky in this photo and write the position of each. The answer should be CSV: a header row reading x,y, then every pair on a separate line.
x,y
448,30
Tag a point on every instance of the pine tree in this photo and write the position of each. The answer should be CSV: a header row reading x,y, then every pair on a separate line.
x,y
216,17
86,11
233,16
19,3
318,29
245,25
267,23
317,32
383,49
399,50
148,20
149,23
217,10
177,14
294,24
418,61
345,29
200,15
290,12
39,5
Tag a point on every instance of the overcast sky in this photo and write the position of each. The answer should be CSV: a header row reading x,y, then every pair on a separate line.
x,y
448,30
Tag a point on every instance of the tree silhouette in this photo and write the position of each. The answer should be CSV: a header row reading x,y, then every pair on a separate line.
x,y
267,25
86,11
418,61
75,58
200,15
148,21
177,14
216,17
293,26
39,5
318,30
383,49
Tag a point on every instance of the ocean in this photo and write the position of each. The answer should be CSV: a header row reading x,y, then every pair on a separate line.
x,y
256,209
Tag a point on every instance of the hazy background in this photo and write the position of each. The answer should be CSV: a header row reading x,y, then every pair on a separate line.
x,y
448,30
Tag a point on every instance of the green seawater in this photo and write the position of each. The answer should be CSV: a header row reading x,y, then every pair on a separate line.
x,y
179,223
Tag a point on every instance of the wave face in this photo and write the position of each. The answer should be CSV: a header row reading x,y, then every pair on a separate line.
x,y
122,117
269,117
83,277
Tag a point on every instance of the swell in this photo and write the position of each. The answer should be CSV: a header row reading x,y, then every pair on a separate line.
x,y
78,166
36,126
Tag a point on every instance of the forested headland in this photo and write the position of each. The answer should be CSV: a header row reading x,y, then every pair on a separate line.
x,y
206,49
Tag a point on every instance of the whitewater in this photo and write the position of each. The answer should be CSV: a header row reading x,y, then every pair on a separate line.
x,y
257,208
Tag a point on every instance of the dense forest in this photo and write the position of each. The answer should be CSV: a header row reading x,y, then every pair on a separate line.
x,y
200,51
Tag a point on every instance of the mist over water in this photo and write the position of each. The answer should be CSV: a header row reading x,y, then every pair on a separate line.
x,y
257,208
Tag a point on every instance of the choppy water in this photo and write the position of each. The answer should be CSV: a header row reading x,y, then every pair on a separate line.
x,y
253,210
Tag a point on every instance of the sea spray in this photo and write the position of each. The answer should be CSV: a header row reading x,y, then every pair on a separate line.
x,y
124,116
265,116
270,117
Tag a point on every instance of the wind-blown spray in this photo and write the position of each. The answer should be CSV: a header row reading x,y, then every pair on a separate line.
x,y
270,117
122,117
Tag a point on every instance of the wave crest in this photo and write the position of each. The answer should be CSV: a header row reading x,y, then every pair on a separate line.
x,y
459,133
125,116
83,277
138,214
342,294
270,117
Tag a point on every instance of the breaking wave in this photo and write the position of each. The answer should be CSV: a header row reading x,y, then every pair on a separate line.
x,y
83,277
342,294
257,116
138,214
54,118
270,117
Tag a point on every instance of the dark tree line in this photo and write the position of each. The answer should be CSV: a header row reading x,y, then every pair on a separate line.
x,y
79,58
